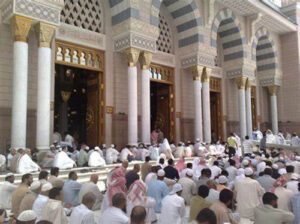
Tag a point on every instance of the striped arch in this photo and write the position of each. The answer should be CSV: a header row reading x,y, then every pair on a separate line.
x,y
263,51
122,10
228,27
186,17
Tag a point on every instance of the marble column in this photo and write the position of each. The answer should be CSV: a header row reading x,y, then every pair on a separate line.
x,y
274,111
146,58
45,33
249,108
206,105
132,57
198,125
241,83
21,27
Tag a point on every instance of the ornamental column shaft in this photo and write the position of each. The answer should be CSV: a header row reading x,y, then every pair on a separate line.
x,y
146,58
21,27
132,57
249,108
274,111
197,72
45,33
206,105
241,82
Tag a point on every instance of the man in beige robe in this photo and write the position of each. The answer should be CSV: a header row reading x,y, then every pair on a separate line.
x,y
53,210
20,193
15,160
29,198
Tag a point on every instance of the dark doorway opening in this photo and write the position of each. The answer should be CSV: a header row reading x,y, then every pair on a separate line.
x,y
160,107
215,111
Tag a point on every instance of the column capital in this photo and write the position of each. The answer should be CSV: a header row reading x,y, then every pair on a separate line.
x,y
249,84
21,26
273,90
132,55
146,58
44,33
241,82
206,74
197,71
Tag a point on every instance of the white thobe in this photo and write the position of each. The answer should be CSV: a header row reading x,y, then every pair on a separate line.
x,y
150,177
91,187
6,191
26,165
69,139
124,154
9,158
293,186
113,215
284,198
215,171
154,153
39,205
63,161
295,141
173,210
232,172
95,159
144,153
111,155
82,215
213,196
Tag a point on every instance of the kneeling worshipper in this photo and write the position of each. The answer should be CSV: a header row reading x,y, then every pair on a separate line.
x,y
173,207
26,165
63,161
95,159
15,160
137,197
48,159
111,155
154,152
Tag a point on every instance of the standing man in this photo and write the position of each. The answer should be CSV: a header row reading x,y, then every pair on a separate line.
x,y
132,175
41,200
71,190
158,190
170,171
188,187
20,193
146,168
173,207
6,190
249,193
232,145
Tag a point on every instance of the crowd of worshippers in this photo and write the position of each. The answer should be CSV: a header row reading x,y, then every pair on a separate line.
x,y
262,188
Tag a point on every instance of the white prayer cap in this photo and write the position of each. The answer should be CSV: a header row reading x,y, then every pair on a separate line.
x,y
297,158
222,179
176,188
112,145
86,148
161,173
9,175
97,148
27,215
52,146
189,172
240,171
245,162
55,141
197,140
248,171
294,176
35,185
282,171
46,187
275,166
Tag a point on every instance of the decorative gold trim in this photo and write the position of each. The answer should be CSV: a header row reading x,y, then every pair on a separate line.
x,y
65,95
206,74
273,90
197,71
45,33
249,84
215,84
132,55
178,114
51,106
109,110
145,60
241,82
21,26
225,118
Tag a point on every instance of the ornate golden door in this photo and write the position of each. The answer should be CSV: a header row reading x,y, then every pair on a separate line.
x,y
253,107
215,108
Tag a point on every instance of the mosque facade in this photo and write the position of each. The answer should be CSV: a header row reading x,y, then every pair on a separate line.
x,y
112,71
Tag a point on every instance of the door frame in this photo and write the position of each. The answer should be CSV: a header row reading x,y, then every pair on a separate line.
x,y
215,85
165,75
92,60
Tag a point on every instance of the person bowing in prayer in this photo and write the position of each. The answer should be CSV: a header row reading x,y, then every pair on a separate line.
x,y
62,160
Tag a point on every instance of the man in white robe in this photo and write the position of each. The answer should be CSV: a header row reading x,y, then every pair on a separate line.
x,y
154,152
6,190
95,159
83,156
112,155
295,140
26,165
11,154
63,161
83,214
179,152
92,186
2,163
173,207
48,159
125,153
